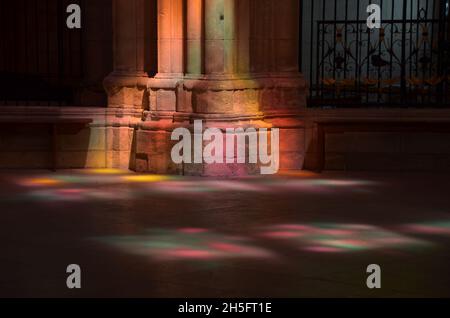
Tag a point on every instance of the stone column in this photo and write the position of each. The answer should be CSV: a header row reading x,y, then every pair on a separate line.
x,y
126,86
97,51
230,63
286,95
127,83
171,37
195,38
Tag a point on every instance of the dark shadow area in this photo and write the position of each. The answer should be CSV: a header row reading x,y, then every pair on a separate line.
x,y
44,143
43,62
151,36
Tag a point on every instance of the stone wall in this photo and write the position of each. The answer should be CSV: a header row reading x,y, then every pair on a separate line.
x,y
105,143
388,151
117,139
402,149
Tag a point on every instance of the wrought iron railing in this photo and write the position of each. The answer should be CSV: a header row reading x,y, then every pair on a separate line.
x,y
405,63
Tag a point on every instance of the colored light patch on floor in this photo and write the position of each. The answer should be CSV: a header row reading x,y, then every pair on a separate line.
x,y
61,180
52,186
182,187
146,178
40,182
323,185
78,195
340,238
187,244
107,171
223,185
429,228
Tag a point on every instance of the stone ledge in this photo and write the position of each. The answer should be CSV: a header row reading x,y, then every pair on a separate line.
x,y
107,142
101,116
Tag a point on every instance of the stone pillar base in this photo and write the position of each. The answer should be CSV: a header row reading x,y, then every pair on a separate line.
x,y
227,95
258,101
292,139
154,147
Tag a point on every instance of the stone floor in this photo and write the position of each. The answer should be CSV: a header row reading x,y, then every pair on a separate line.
x,y
294,235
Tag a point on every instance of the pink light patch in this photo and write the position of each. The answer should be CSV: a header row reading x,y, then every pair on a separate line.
x,y
282,234
337,232
295,227
360,227
321,249
226,247
71,191
190,254
192,231
425,229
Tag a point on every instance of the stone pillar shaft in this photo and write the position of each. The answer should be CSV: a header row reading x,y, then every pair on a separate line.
x,y
127,83
128,24
195,37
126,86
229,63
220,40
170,38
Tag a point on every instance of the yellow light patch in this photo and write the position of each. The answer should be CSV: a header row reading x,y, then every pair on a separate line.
x,y
107,171
146,178
297,173
42,182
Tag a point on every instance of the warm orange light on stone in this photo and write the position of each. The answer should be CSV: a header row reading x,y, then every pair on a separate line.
x,y
229,63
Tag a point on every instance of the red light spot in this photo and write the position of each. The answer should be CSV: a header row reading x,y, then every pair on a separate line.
x,y
192,231
226,247
318,249
191,254
282,234
295,227
337,232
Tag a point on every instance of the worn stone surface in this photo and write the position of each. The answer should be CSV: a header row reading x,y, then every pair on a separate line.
x,y
202,73
387,151
163,214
